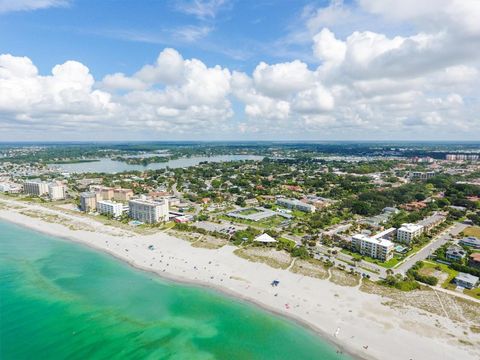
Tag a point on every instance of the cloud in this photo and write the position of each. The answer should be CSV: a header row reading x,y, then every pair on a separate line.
x,y
201,9
29,5
361,84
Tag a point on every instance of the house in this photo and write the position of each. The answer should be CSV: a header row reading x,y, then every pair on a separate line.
x,y
465,280
470,242
474,260
455,253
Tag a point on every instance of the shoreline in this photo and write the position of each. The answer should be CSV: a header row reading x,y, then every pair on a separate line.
x,y
204,285
321,305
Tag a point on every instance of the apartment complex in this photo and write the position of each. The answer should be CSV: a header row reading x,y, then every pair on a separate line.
x,y
88,201
408,232
148,211
108,207
37,188
122,194
296,204
374,246
109,193
454,157
57,191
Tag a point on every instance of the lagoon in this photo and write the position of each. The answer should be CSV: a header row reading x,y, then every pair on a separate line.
x,y
107,165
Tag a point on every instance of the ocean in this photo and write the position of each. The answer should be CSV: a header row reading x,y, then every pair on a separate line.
x,y
61,300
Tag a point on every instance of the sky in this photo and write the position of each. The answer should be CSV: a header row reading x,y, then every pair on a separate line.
x,y
239,70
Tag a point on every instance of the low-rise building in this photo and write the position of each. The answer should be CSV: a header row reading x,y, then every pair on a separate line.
x,y
470,241
148,211
108,207
35,187
373,246
432,221
474,260
296,204
57,191
88,201
407,232
465,280
421,175
455,253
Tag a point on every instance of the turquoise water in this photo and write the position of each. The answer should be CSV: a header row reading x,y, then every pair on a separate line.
x,y
60,300
113,166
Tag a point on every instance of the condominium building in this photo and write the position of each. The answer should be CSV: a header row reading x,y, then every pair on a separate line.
x,y
148,211
296,204
57,191
373,246
108,207
35,187
408,232
88,201
122,194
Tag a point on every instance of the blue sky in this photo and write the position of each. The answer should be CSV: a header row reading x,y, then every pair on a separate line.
x,y
124,35
231,69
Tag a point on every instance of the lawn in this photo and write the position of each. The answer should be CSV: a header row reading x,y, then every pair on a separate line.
x,y
387,264
475,293
249,211
444,268
472,231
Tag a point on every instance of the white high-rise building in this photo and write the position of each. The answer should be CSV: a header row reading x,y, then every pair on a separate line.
x,y
408,232
35,187
57,191
148,211
108,207
373,246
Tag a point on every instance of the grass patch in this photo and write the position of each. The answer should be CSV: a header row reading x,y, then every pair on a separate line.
x,y
472,231
386,264
271,257
475,293
313,268
343,278
432,266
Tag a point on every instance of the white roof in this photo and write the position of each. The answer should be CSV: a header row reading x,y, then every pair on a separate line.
x,y
265,238
410,227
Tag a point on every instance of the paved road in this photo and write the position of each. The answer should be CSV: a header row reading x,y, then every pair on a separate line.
x,y
440,240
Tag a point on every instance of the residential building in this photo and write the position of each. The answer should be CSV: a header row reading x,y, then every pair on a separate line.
x,y
148,211
470,241
296,204
106,193
57,191
122,194
4,187
465,280
474,260
373,246
108,207
407,232
88,201
35,187
432,221
421,175
455,253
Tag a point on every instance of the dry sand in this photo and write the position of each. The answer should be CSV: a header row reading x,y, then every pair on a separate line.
x,y
368,326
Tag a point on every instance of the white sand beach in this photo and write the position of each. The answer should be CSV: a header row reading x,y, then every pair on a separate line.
x,y
360,323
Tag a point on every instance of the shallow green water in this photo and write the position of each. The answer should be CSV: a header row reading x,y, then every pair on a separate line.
x,y
59,300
